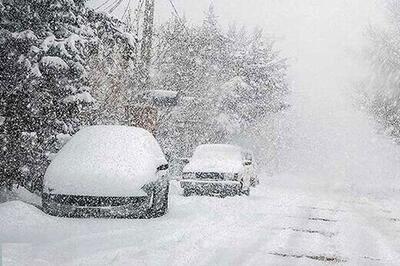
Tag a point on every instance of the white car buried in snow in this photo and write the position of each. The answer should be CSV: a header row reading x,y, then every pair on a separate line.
x,y
108,171
217,169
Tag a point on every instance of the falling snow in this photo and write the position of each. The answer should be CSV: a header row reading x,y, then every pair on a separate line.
x,y
225,132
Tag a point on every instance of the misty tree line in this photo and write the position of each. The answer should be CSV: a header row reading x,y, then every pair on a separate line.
x,y
64,66
382,94
228,82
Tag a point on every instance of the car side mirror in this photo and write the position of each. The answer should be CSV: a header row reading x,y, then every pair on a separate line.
x,y
163,167
247,163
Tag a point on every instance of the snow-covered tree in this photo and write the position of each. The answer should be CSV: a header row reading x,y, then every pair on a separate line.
x,y
226,82
382,87
45,88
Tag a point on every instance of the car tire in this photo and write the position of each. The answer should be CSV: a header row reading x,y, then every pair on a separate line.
x,y
242,191
46,208
160,202
246,192
187,192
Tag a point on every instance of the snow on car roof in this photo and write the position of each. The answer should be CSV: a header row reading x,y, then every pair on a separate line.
x,y
217,158
105,161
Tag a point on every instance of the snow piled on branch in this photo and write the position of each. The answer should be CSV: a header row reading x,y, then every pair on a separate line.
x,y
25,35
54,62
80,97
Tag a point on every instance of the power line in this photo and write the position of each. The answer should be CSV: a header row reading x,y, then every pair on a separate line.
x,y
103,4
127,9
174,8
110,5
115,6
175,11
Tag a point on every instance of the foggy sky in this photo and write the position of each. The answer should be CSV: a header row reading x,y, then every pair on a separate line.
x,y
329,139
316,34
322,39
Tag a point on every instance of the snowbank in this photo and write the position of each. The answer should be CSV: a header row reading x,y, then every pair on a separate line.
x,y
276,225
105,161
219,158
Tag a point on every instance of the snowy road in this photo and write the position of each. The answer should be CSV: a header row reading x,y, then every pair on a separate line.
x,y
283,222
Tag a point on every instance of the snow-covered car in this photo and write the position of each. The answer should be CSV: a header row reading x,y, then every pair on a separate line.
x,y
217,169
108,171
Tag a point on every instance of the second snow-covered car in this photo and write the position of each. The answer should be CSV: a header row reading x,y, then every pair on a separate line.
x,y
108,171
217,169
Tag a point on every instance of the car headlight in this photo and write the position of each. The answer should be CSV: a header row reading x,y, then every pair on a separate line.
x,y
188,176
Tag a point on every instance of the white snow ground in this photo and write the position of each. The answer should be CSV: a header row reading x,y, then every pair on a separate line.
x,y
285,221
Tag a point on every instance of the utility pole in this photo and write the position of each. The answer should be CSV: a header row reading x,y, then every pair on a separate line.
x,y
142,115
147,41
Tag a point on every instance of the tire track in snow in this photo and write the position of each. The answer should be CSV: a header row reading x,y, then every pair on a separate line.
x,y
369,235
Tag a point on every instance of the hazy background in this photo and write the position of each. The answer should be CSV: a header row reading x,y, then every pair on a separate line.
x,y
317,35
321,37
324,136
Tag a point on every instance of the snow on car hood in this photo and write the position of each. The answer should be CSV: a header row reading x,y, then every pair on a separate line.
x,y
105,161
217,158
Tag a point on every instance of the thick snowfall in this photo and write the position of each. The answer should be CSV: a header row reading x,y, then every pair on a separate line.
x,y
335,199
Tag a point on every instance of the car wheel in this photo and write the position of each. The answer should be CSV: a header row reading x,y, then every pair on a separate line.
x,y
48,209
187,192
160,201
253,182
246,192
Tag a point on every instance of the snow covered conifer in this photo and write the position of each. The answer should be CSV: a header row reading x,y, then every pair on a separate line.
x,y
226,82
44,79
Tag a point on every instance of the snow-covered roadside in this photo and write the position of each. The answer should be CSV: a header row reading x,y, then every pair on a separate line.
x,y
20,193
284,221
